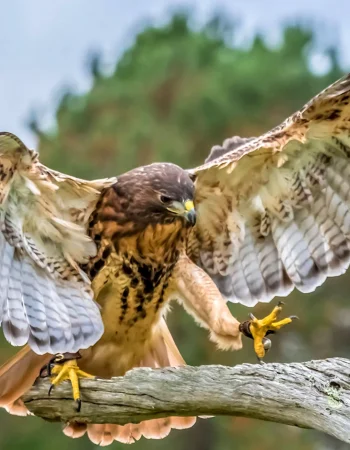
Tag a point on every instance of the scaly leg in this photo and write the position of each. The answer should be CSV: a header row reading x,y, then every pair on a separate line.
x,y
64,367
258,329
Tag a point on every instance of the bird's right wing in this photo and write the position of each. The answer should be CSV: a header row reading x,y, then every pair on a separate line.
x,y
45,299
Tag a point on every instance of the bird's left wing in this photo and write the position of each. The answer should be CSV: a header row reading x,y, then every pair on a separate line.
x,y
273,212
45,298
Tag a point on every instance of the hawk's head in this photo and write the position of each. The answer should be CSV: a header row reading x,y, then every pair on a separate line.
x,y
158,193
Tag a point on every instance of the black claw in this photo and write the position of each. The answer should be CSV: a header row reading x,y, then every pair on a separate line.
x,y
260,360
50,389
78,404
294,317
57,359
280,303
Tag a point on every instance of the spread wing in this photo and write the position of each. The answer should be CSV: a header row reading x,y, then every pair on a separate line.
x,y
273,212
45,299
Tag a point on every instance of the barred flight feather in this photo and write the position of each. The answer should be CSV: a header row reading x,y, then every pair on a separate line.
x,y
45,298
290,189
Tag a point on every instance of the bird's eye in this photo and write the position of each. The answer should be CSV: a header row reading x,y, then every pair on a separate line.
x,y
164,199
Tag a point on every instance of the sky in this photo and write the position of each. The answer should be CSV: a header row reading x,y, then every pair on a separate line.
x,y
44,44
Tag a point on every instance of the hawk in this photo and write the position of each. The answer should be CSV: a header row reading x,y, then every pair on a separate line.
x,y
87,269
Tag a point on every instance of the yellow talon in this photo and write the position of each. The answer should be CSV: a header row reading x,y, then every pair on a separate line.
x,y
258,329
69,370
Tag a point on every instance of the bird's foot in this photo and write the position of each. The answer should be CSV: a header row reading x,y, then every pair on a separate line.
x,y
258,329
64,367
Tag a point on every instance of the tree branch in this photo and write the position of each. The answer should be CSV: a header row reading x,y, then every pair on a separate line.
x,y
313,394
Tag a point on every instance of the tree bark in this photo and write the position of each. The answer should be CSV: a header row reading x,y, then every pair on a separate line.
x,y
314,394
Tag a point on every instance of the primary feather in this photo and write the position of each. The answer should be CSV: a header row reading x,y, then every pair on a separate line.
x,y
274,211
45,298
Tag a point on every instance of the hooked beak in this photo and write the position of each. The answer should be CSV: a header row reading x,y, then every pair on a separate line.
x,y
190,212
185,209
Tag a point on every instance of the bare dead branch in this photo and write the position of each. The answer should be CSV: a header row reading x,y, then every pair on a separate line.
x,y
314,394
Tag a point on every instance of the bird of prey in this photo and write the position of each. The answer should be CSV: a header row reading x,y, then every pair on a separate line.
x,y
260,217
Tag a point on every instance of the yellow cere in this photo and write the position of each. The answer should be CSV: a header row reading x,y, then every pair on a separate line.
x,y
189,205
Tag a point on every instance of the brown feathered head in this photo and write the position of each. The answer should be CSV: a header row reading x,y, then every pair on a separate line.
x,y
158,193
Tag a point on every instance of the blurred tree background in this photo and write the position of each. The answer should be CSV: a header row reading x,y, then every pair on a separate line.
x,y
173,94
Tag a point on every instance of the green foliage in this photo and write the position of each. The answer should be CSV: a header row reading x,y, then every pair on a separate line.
x,y
174,94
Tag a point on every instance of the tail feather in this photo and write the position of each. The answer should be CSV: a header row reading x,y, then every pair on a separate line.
x,y
105,434
182,423
17,376
19,373
156,428
161,353
101,434
75,430
17,408
128,434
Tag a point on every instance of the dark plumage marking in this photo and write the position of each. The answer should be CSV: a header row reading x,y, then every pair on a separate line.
x,y
127,269
343,147
121,234
99,202
132,321
115,246
93,272
109,216
335,114
146,274
54,340
125,293
161,297
157,277
97,237
139,246
106,252
325,159
139,309
124,303
148,287
286,214
134,282
148,298
84,267
93,218
36,329
98,265
145,271
139,297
